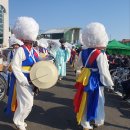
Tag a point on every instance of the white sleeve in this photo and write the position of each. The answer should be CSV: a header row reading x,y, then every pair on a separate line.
x,y
103,67
80,63
17,65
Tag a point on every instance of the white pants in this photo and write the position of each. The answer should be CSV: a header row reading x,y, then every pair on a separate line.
x,y
85,123
24,104
100,111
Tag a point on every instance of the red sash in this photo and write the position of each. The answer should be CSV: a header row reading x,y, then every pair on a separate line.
x,y
94,56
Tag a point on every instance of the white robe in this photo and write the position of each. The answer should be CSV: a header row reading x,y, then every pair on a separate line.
x,y
24,92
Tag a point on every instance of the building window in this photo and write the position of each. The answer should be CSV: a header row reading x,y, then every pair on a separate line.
x,y
2,11
57,35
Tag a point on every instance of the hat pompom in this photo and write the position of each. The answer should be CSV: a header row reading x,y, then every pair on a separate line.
x,y
94,35
26,28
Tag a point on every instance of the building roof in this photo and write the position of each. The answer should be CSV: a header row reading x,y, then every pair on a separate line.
x,y
61,30
125,40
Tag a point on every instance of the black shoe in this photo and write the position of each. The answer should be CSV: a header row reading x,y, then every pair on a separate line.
x,y
126,97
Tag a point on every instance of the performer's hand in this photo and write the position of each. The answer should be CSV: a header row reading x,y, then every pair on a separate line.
x,y
35,90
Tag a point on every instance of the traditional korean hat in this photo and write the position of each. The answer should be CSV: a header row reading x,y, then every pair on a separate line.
x,y
43,43
94,35
13,40
54,44
26,29
62,40
44,74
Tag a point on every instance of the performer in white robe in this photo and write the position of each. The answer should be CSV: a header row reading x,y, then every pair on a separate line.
x,y
15,44
42,48
95,38
53,47
26,29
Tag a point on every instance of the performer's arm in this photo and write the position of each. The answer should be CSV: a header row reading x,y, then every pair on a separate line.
x,y
79,62
103,67
67,57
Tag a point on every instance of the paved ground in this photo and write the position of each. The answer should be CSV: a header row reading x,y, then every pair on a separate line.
x,y
53,110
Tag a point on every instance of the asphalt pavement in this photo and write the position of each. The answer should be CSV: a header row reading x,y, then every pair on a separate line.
x,y
53,109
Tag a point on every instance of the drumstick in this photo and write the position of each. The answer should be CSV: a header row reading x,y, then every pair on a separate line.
x,y
38,78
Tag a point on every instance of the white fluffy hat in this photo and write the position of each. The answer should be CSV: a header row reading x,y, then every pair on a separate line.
x,y
43,43
94,35
26,28
54,44
13,40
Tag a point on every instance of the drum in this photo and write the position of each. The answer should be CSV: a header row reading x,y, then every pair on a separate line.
x,y
44,74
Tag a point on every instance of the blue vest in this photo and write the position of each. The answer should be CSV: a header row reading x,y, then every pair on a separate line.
x,y
29,61
85,55
92,88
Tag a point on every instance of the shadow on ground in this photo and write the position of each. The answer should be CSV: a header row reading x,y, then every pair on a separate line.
x,y
117,126
6,127
57,117
115,101
50,97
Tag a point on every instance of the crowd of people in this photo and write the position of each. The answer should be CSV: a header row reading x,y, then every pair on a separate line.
x,y
118,61
120,71
89,61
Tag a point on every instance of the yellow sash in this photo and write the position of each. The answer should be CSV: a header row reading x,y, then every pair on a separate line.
x,y
82,107
84,76
14,100
27,68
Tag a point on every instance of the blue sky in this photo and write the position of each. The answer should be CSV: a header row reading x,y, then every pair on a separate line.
x,y
114,14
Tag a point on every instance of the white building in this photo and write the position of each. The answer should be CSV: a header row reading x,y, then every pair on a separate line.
x,y
4,24
70,34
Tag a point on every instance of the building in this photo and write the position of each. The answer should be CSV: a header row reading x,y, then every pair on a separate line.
x,y
126,41
70,34
4,24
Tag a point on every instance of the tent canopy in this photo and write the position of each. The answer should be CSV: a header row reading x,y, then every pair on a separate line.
x,y
115,47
